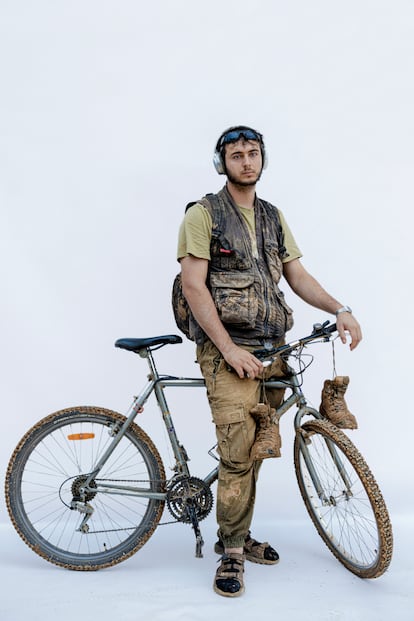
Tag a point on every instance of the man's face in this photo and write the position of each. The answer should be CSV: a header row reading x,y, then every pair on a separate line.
x,y
243,161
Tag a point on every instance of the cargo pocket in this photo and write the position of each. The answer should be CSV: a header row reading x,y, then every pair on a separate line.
x,y
228,414
233,444
235,298
235,435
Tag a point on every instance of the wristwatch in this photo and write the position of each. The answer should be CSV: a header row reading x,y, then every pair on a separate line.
x,y
343,309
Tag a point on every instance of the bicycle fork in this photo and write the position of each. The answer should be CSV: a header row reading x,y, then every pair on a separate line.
x,y
306,439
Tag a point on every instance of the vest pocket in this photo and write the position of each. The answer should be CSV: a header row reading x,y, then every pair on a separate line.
x,y
273,260
287,310
235,298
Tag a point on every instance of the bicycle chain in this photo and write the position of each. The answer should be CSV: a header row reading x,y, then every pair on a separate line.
x,y
204,488
133,480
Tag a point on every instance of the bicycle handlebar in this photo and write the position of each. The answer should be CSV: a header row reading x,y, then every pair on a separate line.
x,y
323,331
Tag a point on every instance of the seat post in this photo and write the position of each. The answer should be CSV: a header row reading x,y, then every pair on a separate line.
x,y
147,353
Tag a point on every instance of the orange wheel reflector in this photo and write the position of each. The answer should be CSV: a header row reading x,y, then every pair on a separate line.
x,y
81,436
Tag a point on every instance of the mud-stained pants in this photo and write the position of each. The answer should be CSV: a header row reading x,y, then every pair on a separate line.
x,y
231,400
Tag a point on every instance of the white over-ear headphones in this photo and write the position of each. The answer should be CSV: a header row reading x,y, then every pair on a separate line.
x,y
232,135
218,163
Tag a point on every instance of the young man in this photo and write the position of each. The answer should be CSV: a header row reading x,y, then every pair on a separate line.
x,y
233,249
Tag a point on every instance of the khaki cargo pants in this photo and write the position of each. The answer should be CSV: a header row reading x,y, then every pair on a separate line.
x,y
231,400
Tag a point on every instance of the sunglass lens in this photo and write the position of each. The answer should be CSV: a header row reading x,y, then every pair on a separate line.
x,y
233,136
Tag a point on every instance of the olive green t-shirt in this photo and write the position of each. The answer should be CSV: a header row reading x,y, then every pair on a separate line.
x,y
195,233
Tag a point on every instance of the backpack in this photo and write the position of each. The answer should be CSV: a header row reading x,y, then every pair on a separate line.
x,y
182,312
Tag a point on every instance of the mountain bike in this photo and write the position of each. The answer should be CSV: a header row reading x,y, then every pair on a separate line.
x,y
86,486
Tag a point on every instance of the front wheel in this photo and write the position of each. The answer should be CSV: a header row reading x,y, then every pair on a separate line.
x,y
343,499
47,471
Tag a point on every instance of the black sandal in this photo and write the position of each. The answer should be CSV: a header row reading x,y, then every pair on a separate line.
x,y
255,552
229,576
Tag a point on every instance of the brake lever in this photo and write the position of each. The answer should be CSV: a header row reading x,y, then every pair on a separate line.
x,y
320,327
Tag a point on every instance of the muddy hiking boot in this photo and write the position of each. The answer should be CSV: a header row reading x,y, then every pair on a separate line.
x,y
333,405
268,441
228,580
254,551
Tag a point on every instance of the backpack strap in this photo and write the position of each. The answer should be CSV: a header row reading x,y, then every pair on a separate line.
x,y
214,205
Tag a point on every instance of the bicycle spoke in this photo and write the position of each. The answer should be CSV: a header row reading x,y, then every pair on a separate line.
x,y
351,517
48,472
346,522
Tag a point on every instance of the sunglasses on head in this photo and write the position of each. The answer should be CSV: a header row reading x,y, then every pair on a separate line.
x,y
235,135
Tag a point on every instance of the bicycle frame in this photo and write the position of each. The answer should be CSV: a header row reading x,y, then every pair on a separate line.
x,y
157,384
91,505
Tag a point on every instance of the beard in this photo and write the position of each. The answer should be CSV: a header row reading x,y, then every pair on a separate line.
x,y
241,182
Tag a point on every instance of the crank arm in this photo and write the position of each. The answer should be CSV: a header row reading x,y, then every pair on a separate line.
x,y
194,521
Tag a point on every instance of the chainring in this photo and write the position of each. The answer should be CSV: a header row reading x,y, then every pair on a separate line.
x,y
189,491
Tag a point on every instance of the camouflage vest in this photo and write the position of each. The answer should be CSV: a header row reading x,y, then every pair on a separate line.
x,y
244,287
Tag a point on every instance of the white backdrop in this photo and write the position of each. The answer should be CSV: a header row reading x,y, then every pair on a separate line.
x,y
109,112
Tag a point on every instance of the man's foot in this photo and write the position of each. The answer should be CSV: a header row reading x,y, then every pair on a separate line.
x,y
228,580
254,551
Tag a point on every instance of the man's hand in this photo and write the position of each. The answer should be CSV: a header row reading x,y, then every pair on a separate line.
x,y
345,322
243,362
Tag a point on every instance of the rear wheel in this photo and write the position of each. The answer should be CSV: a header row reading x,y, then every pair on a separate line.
x,y
348,510
48,469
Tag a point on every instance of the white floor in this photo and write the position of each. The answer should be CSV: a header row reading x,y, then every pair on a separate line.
x,y
165,582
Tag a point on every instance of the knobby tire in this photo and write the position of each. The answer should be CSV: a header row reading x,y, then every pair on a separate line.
x,y
354,524
47,466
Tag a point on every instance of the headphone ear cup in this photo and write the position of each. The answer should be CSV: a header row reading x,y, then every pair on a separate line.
x,y
265,160
218,163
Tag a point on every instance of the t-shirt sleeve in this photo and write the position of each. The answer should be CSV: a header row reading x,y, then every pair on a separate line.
x,y
292,249
194,236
